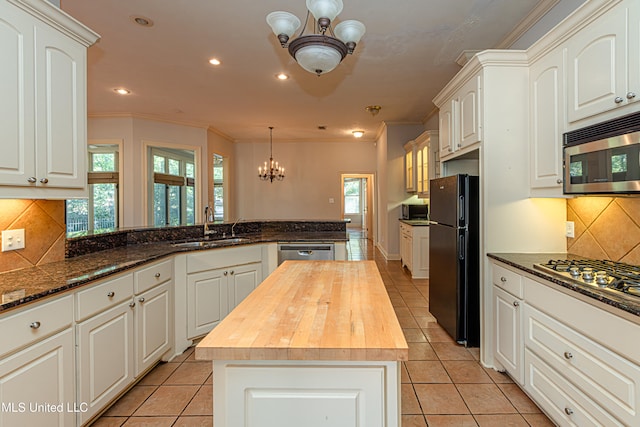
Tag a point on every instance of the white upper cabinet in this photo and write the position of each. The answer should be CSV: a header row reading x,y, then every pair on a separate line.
x,y
546,90
603,68
409,167
43,82
460,118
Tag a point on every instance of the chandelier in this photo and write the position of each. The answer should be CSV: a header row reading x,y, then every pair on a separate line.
x,y
273,171
317,52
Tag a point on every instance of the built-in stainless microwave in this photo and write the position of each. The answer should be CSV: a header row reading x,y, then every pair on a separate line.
x,y
603,158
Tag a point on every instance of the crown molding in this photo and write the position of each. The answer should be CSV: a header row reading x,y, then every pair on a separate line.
x,y
541,9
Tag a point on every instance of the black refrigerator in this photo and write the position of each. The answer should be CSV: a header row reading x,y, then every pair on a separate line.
x,y
454,259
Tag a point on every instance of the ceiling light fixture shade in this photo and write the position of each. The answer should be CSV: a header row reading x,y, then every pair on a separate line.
x,y
271,170
317,52
358,133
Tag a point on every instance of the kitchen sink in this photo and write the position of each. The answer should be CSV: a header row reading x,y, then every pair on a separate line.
x,y
211,243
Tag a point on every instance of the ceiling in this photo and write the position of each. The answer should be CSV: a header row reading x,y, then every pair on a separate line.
x,y
407,55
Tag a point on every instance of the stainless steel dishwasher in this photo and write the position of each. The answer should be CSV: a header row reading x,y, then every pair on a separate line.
x,y
305,251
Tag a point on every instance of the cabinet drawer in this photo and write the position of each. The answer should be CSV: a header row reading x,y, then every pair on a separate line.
x,y
565,403
100,297
506,279
153,275
28,326
611,380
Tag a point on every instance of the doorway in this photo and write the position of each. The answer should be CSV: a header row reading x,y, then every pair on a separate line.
x,y
357,203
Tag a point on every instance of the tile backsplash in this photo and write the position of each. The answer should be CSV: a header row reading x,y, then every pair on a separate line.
x,y
44,228
605,228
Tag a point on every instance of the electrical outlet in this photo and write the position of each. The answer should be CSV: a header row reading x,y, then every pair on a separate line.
x,y
570,229
12,239
331,200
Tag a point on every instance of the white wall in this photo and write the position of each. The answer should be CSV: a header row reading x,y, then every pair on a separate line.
x,y
557,13
313,172
134,132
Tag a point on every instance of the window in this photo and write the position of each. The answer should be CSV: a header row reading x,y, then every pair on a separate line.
x,y
218,187
173,187
352,199
100,210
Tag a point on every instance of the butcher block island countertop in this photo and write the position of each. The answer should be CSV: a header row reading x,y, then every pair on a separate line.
x,y
316,341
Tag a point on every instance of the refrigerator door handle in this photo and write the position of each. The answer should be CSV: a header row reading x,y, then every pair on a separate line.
x,y
461,247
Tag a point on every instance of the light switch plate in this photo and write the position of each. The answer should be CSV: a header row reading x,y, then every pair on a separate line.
x,y
570,229
12,239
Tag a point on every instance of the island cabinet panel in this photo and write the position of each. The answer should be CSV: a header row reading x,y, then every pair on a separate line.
x,y
317,343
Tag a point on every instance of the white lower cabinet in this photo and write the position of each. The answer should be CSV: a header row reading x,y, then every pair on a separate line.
x,y
578,361
216,282
32,379
105,357
414,249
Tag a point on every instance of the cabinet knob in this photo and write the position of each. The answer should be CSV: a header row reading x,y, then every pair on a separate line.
x,y
141,299
157,275
34,325
503,279
226,273
132,304
618,100
568,355
568,411
558,181
111,294
44,180
32,179
232,272
631,95
516,304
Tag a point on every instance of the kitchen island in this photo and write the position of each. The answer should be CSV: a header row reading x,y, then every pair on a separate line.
x,y
316,344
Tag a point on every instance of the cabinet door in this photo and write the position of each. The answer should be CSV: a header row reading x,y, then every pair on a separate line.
x,y
243,279
17,162
423,165
547,120
207,302
61,112
597,66
507,332
419,178
41,374
105,357
469,108
447,128
409,172
153,326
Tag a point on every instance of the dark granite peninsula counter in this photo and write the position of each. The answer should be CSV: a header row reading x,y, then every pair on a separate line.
x,y
526,261
94,256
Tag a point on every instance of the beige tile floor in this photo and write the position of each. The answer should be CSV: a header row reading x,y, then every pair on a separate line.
x,y
443,384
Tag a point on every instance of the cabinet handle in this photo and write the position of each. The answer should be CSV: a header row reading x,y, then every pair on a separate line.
x,y
226,273
558,181
503,279
141,299
631,95
44,180
34,325
32,179
232,272
111,294
157,275
618,100
568,355
568,411
516,304
132,304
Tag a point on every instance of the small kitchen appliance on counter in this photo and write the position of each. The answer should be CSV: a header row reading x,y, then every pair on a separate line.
x,y
454,276
618,277
413,212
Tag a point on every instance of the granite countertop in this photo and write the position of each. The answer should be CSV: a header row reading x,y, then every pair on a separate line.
x,y
525,262
416,222
26,285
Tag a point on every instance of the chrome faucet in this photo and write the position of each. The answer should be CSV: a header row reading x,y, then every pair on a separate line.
x,y
208,219
233,233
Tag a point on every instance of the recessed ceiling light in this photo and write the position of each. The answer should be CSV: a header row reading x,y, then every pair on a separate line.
x,y
122,91
358,133
282,76
214,61
142,20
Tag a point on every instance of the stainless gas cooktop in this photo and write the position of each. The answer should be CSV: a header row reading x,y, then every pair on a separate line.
x,y
604,274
